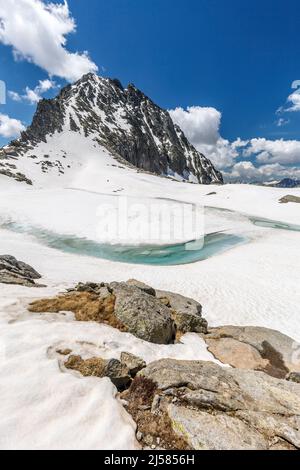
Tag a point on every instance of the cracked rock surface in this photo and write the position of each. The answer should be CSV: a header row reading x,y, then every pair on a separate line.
x,y
217,408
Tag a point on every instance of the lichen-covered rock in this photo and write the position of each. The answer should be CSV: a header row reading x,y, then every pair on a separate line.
x,y
132,362
186,312
118,373
141,285
213,407
222,432
255,348
143,315
16,272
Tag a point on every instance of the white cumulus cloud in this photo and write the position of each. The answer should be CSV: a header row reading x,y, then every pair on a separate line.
x,y
33,96
294,101
10,127
201,126
37,32
246,172
274,151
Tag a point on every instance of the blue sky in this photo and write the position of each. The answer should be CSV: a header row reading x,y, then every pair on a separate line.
x,y
232,62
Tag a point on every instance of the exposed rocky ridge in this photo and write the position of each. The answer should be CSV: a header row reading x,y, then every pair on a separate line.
x,y
123,121
16,272
288,183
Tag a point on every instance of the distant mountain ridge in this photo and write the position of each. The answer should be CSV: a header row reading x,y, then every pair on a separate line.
x,y
288,183
98,115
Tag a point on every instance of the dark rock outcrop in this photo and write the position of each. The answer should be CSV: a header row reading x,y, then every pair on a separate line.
x,y
288,183
16,272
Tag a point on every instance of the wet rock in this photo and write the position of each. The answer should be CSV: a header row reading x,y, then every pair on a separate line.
x,y
222,408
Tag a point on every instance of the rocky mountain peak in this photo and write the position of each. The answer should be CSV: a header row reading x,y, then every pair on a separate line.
x,y
122,121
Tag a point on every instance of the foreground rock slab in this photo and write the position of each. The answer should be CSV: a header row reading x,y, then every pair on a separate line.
x,y
215,408
16,272
255,348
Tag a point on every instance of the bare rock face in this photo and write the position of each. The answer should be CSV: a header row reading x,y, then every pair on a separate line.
x,y
255,348
215,408
16,272
122,121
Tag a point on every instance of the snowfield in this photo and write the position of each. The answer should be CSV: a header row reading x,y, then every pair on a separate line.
x,y
44,406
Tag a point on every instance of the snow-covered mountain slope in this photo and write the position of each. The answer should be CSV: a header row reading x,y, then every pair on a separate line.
x,y
96,123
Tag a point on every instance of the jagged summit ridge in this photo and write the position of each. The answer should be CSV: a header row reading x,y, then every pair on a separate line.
x,y
122,121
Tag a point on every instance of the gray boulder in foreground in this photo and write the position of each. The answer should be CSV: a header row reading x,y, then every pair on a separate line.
x,y
143,314
216,408
16,272
186,312
154,316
